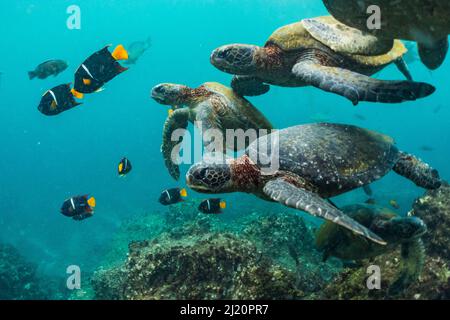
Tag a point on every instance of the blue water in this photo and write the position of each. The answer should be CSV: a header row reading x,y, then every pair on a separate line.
x,y
45,160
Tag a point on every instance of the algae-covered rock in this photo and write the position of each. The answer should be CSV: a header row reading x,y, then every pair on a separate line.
x,y
212,266
351,284
434,282
18,279
434,209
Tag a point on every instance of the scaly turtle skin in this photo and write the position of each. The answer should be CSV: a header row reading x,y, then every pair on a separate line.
x,y
309,164
212,105
323,53
336,241
424,21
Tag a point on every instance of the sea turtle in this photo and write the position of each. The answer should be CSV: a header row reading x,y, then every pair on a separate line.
x,y
309,53
302,166
424,21
396,230
213,106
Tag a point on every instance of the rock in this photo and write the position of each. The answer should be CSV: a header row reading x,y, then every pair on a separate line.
x,y
434,209
212,266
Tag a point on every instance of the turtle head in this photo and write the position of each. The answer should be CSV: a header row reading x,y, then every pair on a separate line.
x,y
236,59
207,177
400,229
170,94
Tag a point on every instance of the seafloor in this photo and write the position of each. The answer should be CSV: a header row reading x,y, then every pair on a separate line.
x,y
182,254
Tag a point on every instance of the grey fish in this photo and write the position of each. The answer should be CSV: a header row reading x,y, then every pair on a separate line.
x,y
48,68
137,49
426,148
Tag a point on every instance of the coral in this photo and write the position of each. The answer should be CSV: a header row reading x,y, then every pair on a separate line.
x,y
434,209
212,266
18,279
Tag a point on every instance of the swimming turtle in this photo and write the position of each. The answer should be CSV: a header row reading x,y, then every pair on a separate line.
x,y
310,53
396,230
424,21
302,166
213,106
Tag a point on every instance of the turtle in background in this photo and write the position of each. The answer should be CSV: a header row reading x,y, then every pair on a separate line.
x,y
212,105
423,21
323,53
137,49
397,231
303,166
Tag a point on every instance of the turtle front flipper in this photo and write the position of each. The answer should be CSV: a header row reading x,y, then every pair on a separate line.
x,y
417,171
357,87
286,193
433,55
344,39
413,259
249,86
178,119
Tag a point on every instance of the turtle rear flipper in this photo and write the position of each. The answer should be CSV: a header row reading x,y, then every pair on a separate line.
x,y
286,193
413,258
417,171
357,87
433,56
176,120
249,86
345,39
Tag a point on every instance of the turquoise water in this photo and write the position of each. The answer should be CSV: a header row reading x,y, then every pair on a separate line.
x,y
48,159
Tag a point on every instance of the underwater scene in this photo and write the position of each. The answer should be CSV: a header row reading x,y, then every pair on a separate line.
x,y
225,150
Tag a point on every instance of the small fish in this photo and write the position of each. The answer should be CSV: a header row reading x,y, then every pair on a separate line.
x,y
137,49
360,117
320,117
426,148
437,109
212,206
172,196
124,167
98,69
79,207
394,204
48,68
57,100
371,201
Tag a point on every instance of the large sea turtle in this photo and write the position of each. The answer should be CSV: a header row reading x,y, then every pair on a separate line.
x,y
309,164
323,53
396,230
424,21
213,106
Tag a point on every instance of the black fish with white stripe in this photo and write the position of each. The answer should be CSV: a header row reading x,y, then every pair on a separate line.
x,y
172,196
212,206
57,100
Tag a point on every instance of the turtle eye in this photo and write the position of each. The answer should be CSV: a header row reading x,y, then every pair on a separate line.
x,y
223,54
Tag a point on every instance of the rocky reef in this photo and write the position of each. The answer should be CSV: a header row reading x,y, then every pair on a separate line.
x,y
259,256
18,278
181,254
434,282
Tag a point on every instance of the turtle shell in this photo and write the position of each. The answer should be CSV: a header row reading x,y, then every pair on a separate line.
x,y
402,19
331,158
339,242
350,42
242,108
